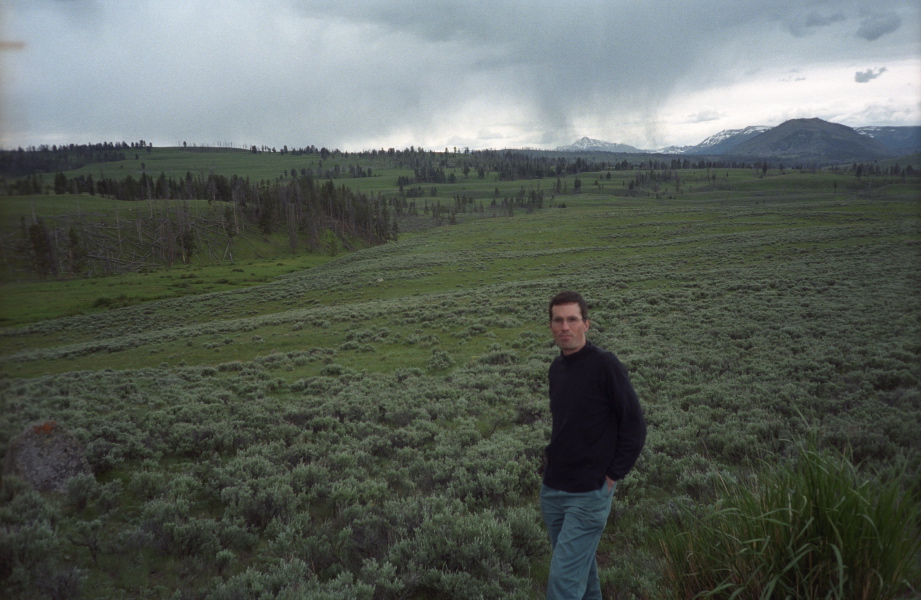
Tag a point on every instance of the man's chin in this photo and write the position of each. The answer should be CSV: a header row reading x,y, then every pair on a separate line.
x,y
570,347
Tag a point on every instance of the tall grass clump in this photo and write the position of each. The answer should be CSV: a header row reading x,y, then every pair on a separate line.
x,y
816,528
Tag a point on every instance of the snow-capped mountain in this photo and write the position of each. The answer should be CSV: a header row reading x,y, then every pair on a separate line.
x,y
587,144
719,143
813,139
675,150
726,140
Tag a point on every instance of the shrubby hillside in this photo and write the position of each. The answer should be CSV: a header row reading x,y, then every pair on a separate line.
x,y
373,427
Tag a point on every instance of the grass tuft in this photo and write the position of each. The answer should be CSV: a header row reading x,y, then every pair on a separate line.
x,y
815,528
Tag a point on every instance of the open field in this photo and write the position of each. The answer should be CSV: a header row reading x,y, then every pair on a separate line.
x,y
370,425
146,211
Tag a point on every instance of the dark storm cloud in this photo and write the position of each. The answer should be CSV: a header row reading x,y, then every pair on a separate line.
x,y
359,72
868,75
815,19
584,58
802,25
876,26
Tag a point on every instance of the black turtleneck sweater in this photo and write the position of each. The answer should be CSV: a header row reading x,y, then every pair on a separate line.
x,y
598,426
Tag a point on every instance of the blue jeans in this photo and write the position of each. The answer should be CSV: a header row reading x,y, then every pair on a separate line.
x,y
575,522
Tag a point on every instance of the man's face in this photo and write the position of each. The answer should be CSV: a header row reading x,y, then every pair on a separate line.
x,y
568,327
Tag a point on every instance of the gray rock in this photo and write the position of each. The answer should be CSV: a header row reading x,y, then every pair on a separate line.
x,y
47,456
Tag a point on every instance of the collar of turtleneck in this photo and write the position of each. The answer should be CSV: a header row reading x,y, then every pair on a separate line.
x,y
575,357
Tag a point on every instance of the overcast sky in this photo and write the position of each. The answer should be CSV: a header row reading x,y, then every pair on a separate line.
x,y
363,74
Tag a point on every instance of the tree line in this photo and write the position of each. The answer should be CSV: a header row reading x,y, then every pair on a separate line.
x,y
156,225
511,165
49,159
861,169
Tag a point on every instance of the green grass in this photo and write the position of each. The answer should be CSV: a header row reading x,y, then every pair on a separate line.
x,y
375,420
32,301
816,528
63,209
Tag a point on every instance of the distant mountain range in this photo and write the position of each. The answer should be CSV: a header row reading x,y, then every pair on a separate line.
x,y
901,140
796,140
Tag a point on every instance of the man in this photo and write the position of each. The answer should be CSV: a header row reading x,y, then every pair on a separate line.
x,y
597,434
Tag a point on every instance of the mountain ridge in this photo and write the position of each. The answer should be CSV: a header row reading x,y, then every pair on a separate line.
x,y
903,140
728,139
812,139
795,139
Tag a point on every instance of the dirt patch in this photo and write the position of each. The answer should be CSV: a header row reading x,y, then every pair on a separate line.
x,y
47,456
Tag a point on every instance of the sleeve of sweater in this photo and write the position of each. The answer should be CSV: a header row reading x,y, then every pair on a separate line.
x,y
631,426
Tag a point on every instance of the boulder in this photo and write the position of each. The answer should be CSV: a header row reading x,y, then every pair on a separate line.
x,y
47,456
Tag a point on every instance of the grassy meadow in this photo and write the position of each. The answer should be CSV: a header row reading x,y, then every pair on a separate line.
x,y
371,424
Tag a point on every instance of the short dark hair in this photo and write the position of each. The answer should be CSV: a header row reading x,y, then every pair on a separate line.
x,y
569,298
